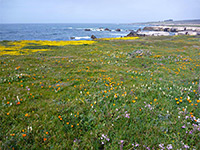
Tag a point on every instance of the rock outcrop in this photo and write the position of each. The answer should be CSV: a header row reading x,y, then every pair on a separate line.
x,y
87,29
93,37
171,29
106,29
139,30
132,34
72,38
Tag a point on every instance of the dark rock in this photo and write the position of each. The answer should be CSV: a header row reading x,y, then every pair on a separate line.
x,y
72,38
106,29
132,33
139,30
87,29
101,29
174,30
118,30
166,29
93,37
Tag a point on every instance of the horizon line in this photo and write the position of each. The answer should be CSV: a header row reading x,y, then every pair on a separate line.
x,y
95,22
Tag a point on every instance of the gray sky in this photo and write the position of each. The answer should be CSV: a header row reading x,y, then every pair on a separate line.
x,y
96,11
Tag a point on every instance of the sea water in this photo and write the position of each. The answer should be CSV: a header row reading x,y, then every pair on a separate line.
x,y
60,32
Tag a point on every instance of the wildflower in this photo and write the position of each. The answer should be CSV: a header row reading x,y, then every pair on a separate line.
x,y
191,132
169,146
24,135
183,127
161,146
186,146
8,113
127,116
47,132
45,139
30,128
26,114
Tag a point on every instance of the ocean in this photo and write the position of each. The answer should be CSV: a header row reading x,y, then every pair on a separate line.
x,y
58,32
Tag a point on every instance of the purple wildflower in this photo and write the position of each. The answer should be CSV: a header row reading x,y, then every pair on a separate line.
x,y
161,146
183,126
127,116
169,146
186,146
191,132
136,145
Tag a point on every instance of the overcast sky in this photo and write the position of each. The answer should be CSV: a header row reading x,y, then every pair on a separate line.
x,y
96,11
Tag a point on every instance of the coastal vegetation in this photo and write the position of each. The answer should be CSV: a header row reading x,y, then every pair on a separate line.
x,y
124,93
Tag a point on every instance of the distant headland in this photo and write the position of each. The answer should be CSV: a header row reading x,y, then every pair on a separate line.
x,y
171,22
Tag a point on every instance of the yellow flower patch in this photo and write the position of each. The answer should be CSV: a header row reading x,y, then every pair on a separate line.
x,y
19,47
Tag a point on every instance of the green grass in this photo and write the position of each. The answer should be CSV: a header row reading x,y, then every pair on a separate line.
x,y
107,91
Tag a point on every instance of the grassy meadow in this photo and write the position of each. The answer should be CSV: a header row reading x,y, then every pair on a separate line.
x,y
137,93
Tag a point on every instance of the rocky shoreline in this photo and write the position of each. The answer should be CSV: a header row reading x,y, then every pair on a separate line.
x,y
156,31
183,30
166,31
